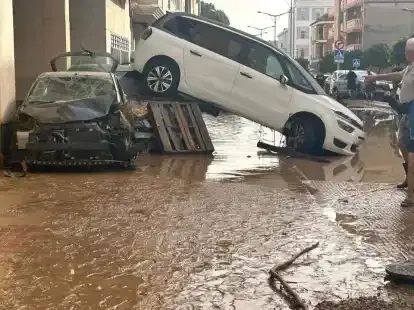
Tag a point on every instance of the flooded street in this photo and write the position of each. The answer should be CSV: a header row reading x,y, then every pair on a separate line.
x,y
201,233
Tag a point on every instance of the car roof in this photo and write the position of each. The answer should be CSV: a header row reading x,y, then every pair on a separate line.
x,y
207,20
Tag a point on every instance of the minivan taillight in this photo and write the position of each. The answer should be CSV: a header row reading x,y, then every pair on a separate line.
x,y
147,33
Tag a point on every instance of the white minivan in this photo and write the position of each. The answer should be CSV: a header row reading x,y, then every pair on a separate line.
x,y
244,75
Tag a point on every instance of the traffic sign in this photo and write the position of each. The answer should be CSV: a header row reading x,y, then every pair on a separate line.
x,y
356,63
339,56
339,44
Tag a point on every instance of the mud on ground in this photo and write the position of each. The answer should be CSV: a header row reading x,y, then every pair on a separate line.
x,y
366,303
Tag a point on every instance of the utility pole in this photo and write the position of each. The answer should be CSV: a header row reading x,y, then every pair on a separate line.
x,y
261,30
292,30
275,18
338,27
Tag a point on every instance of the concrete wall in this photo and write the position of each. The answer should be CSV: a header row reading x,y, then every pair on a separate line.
x,y
41,32
7,72
87,25
384,24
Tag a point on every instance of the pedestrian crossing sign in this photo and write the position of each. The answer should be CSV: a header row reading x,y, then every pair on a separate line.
x,y
339,56
356,63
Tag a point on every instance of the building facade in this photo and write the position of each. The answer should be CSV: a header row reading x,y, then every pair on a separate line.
x,y
369,22
305,13
283,40
321,43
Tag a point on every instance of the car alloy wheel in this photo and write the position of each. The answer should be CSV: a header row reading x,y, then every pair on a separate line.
x,y
159,79
297,136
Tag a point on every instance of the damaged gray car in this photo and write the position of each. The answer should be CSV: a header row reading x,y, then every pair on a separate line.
x,y
73,116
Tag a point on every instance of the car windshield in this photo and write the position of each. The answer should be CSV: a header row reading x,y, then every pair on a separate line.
x,y
67,88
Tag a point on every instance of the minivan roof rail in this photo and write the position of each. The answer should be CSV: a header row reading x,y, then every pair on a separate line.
x,y
171,14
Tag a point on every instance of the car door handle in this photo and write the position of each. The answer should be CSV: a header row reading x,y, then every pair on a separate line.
x,y
246,75
195,53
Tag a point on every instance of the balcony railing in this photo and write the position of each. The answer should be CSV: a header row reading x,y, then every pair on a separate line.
x,y
353,47
351,3
354,25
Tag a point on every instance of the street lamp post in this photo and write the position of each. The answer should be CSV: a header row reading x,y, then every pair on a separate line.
x,y
412,18
261,30
275,17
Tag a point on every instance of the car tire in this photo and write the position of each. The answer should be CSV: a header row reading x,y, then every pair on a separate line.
x,y
306,135
161,77
335,94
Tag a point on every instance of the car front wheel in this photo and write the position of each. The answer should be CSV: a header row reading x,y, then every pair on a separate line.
x,y
305,136
161,78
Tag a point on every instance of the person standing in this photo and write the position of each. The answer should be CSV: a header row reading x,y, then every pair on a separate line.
x,y
406,133
351,78
370,87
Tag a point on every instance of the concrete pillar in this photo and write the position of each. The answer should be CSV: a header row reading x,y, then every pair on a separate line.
x,y
41,32
87,25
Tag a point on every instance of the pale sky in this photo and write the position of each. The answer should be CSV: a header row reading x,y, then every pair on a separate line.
x,y
243,13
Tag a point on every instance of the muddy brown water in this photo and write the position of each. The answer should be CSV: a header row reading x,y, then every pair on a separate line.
x,y
201,233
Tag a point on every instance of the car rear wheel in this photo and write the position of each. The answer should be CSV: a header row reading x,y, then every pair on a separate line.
x,y
306,135
161,77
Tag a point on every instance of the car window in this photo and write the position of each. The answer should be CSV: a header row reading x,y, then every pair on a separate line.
x,y
264,60
297,80
207,36
180,27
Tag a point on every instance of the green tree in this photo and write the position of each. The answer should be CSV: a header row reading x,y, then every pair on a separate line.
x,y
209,11
303,62
349,60
378,56
327,65
398,52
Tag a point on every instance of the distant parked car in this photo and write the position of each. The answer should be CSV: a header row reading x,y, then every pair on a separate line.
x,y
244,75
339,86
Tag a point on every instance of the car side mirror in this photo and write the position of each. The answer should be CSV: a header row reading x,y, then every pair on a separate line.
x,y
283,79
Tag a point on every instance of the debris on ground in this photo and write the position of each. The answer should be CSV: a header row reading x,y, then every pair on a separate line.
x,y
291,296
366,303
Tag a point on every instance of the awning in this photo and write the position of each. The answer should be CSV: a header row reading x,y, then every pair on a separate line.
x,y
145,13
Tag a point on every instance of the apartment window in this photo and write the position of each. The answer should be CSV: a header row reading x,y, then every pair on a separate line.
x,y
302,32
120,48
318,12
302,13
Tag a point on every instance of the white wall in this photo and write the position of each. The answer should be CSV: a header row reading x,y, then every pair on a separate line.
x,y
7,72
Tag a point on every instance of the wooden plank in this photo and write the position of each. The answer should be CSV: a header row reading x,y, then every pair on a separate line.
x,y
168,124
195,127
202,127
287,151
162,132
184,128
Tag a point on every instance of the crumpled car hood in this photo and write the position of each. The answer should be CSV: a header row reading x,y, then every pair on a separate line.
x,y
69,111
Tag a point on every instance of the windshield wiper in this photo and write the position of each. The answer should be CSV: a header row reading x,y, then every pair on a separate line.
x,y
40,101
